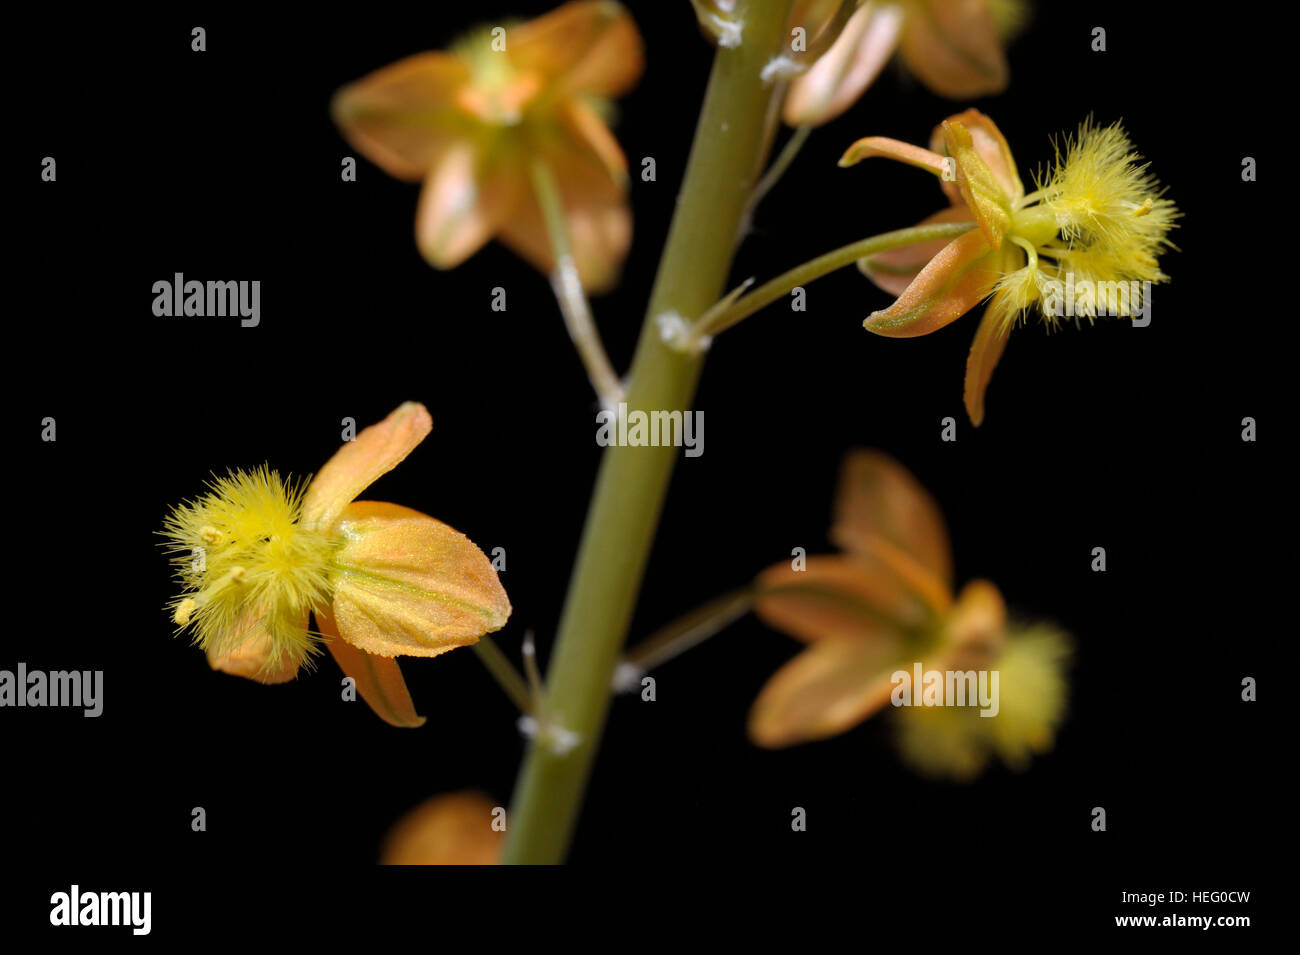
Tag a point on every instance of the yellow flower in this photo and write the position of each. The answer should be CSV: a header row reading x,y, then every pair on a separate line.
x,y
471,122
883,605
1085,242
451,829
953,46
257,555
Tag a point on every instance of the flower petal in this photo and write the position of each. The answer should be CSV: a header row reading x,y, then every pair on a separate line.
x,y
379,679
408,585
981,191
246,652
976,626
893,149
466,199
879,505
451,829
828,688
836,597
948,287
954,48
401,117
990,341
362,461
990,145
596,212
841,74
894,270
589,46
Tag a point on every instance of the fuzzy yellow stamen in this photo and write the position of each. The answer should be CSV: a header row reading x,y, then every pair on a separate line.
x,y
249,566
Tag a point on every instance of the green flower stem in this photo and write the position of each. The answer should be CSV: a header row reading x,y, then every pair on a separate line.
x,y
693,628
690,630
632,483
568,290
504,672
780,164
733,309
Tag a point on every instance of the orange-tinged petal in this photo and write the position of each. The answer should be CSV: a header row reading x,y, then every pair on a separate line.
x,y
451,829
401,117
585,124
992,148
977,625
589,46
893,149
894,270
837,598
948,287
878,501
359,463
596,213
828,688
840,75
466,199
247,650
379,679
408,585
980,190
990,341
954,48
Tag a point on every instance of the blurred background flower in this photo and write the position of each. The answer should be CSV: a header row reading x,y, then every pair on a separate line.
x,y
475,124
884,604
955,48
449,829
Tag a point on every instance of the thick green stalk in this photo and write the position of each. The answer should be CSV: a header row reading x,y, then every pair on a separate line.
x,y
633,481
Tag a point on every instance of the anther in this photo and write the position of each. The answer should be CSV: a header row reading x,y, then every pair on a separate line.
x,y
209,535
184,610
1144,208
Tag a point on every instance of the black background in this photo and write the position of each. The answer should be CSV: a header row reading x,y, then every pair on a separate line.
x,y
225,165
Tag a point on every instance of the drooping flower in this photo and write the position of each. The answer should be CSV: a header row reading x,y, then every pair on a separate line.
x,y
955,47
1085,242
258,556
450,829
884,604
472,122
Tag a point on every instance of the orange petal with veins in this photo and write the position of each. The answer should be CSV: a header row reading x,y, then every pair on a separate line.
x,y
990,145
828,688
948,287
837,597
379,679
893,149
985,352
359,463
894,270
981,191
408,585
402,116
878,502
